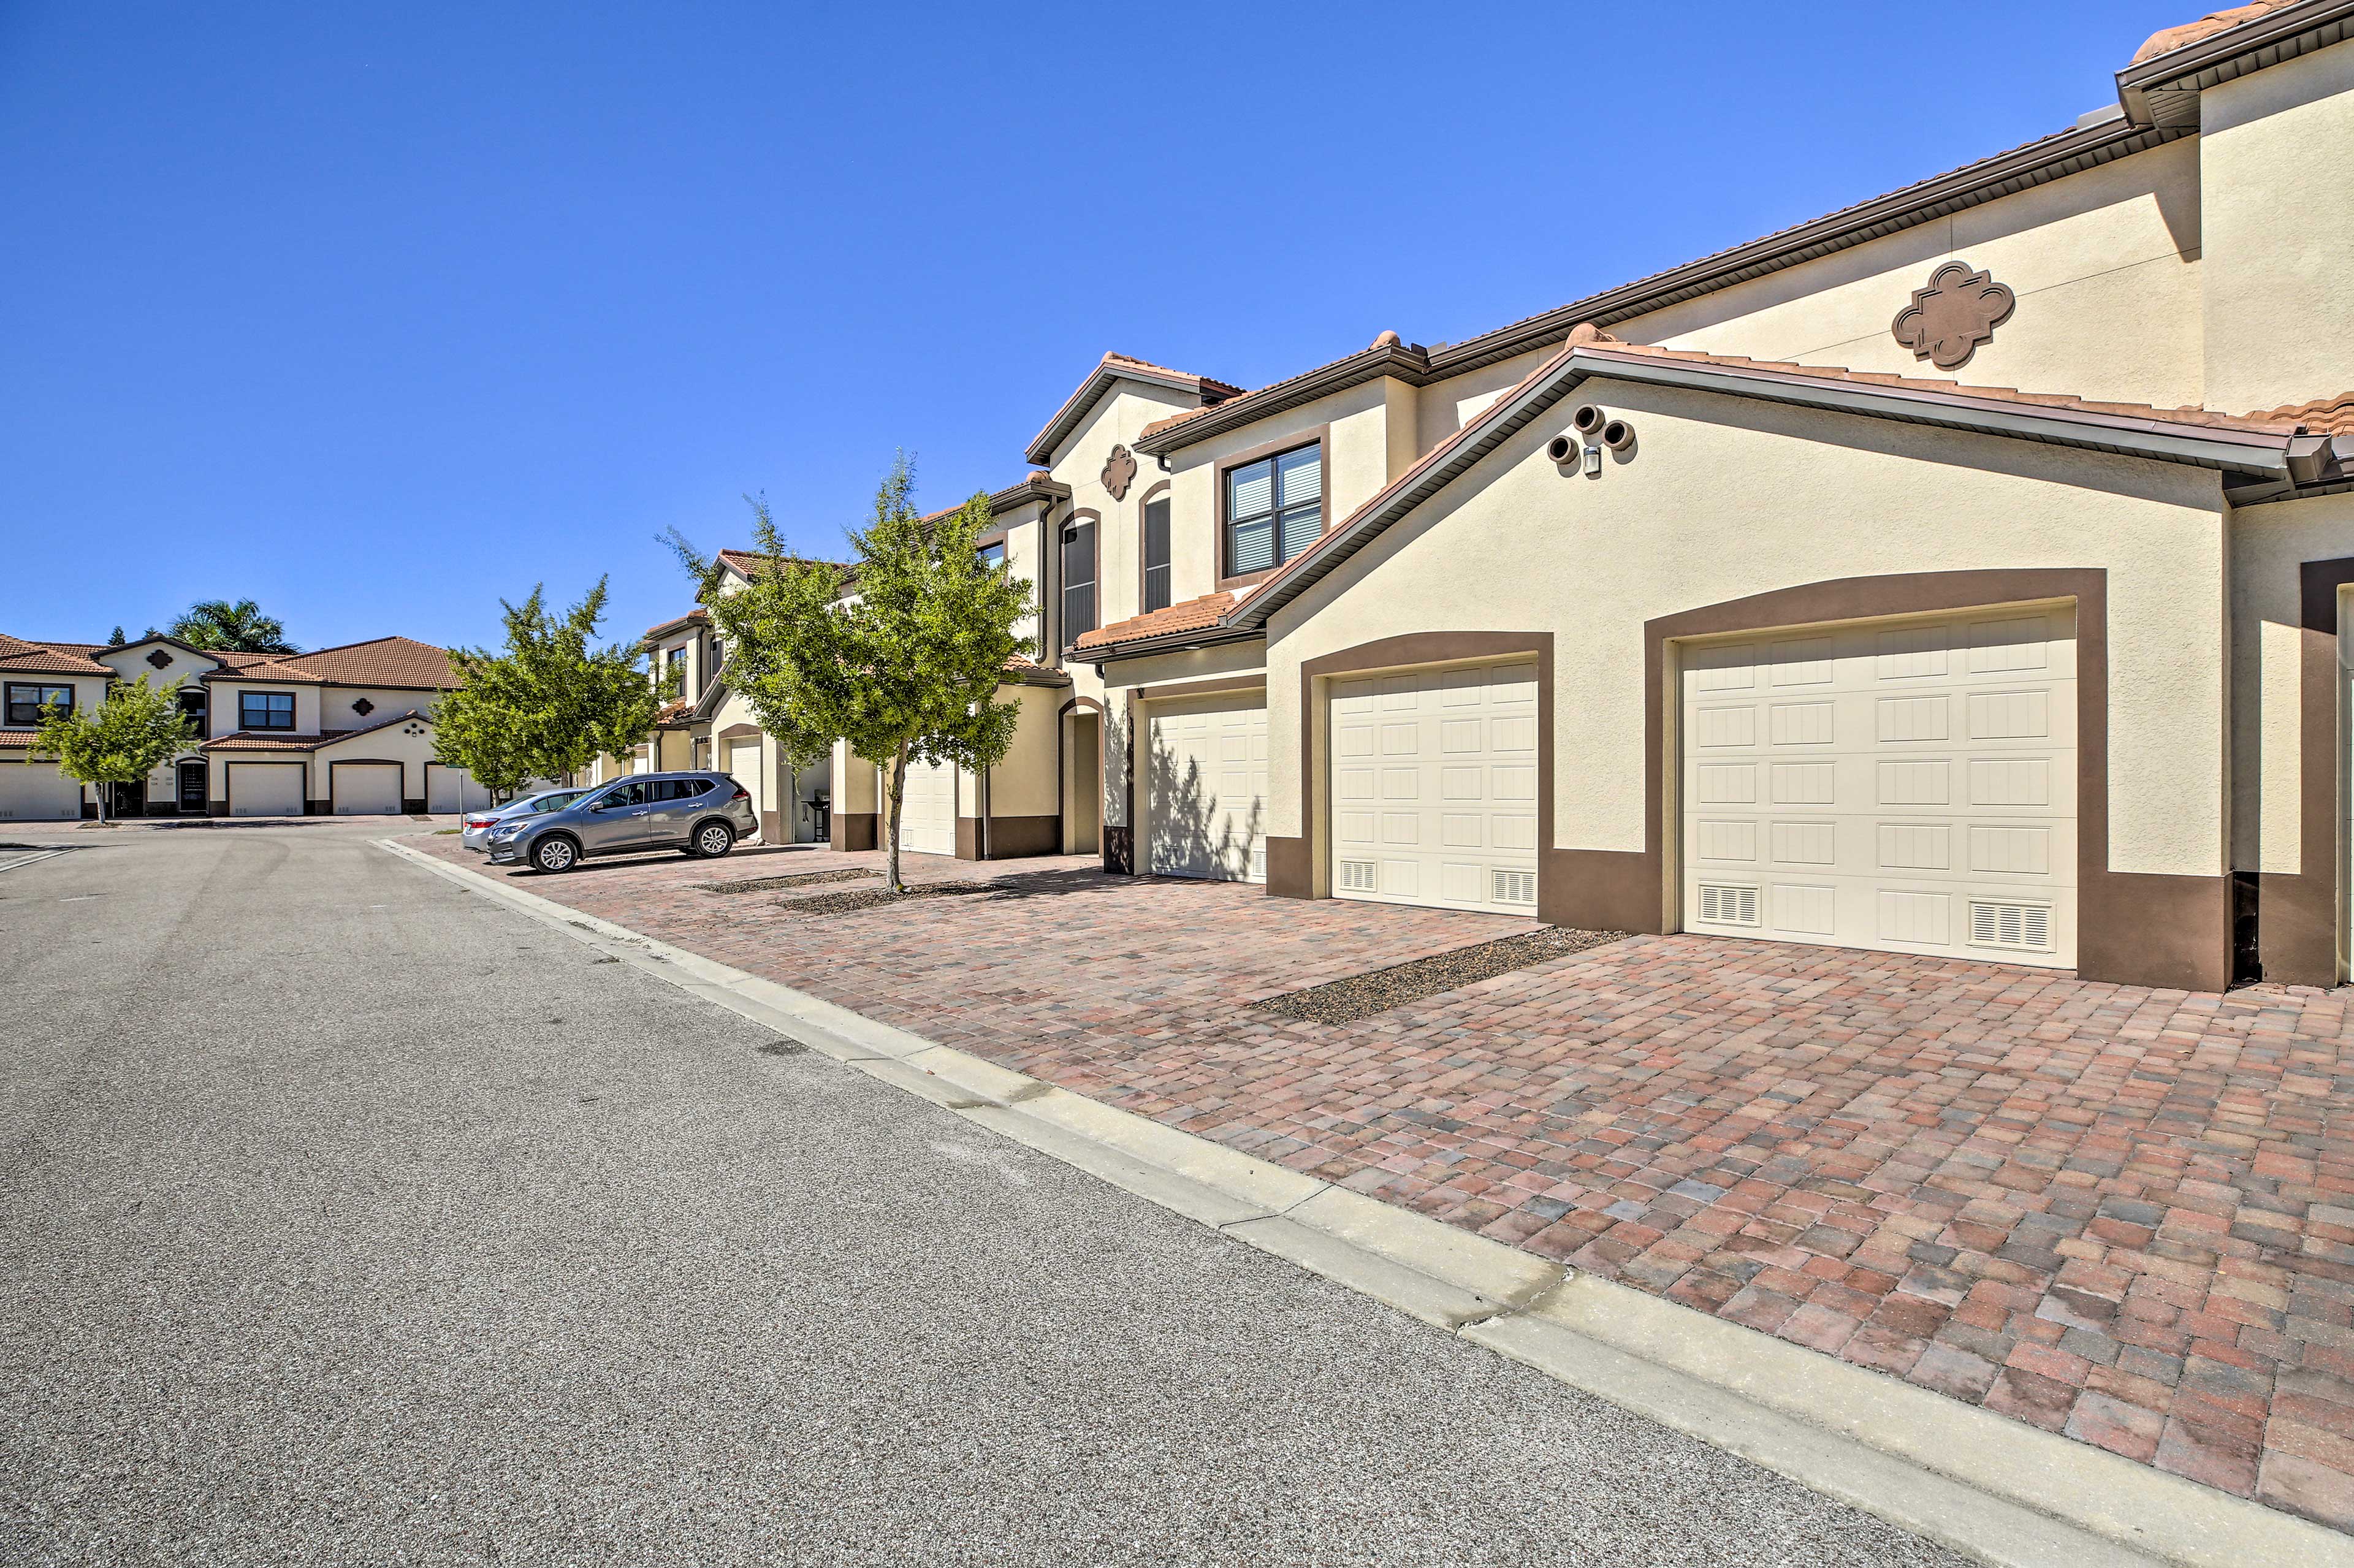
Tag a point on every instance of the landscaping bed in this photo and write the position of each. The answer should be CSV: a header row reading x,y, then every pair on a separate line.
x,y
1361,996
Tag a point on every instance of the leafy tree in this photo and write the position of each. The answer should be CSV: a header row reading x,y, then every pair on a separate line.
x,y
135,730
548,704
114,638
904,670
239,628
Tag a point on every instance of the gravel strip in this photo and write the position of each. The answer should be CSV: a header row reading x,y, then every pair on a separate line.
x,y
1362,996
763,884
822,906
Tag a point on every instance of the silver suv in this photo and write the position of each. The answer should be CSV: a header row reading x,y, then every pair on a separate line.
x,y
702,814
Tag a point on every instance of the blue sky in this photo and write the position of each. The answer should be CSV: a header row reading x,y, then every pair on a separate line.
x,y
379,313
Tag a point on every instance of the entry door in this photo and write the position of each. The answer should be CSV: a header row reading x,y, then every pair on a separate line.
x,y
1435,788
192,787
929,810
1206,785
1905,786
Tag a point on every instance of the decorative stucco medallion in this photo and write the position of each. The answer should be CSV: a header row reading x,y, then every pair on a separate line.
x,y
1959,311
160,659
364,707
1119,472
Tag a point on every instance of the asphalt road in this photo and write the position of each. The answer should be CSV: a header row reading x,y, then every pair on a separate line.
x,y
351,1218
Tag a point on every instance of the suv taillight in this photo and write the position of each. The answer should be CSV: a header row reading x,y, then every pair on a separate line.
x,y
741,793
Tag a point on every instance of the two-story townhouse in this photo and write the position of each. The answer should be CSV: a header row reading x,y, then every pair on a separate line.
x,y
1714,602
340,731
1957,573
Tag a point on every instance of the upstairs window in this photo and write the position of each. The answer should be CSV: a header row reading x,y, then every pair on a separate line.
x,y
265,710
1078,579
991,556
192,700
26,699
1156,554
1275,509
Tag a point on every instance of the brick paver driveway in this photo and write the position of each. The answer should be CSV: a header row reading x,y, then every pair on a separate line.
x,y
2122,1213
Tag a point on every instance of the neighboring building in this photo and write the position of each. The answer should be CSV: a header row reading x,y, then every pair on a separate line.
x,y
341,731
1957,573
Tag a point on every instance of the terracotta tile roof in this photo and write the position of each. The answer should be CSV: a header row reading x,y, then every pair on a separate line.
x,y
1191,615
380,662
279,740
1587,336
2167,40
17,739
747,562
48,658
1114,361
673,711
1157,426
262,667
2322,417
697,616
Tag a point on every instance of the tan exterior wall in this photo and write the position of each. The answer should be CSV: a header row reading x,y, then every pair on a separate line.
x,y
1023,785
1723,499
1445,406
336,704
2273,148
2106,265
225,705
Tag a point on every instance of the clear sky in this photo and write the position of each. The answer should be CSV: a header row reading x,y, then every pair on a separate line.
x,y
377,314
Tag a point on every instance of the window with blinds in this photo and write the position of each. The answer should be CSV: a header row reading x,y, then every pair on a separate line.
x,y
1275,509
1078,580
1156,554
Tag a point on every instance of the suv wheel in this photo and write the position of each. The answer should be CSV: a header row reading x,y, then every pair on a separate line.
x,y
711,840
554,854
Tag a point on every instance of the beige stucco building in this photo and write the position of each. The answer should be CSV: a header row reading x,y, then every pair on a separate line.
x,y
343,731
1959,574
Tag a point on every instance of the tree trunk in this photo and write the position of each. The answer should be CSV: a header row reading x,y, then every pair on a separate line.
x,y
898,797
102,788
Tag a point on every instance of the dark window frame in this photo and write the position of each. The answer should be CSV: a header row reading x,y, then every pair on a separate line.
x,y
1319,437
1063,626
269,702
25,713
1159,495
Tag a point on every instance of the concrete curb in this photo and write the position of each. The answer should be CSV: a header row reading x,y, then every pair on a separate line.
x,y
1996,1490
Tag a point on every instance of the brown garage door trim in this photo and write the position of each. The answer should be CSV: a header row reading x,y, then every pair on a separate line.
x,y
2296,911
2135,928
1292,863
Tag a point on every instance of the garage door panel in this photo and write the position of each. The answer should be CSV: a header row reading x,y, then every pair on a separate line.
x,y
1909,786
1207,813
1447,759
37,792
267,789
928,808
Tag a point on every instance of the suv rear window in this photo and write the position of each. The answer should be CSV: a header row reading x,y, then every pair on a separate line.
x,y
676,789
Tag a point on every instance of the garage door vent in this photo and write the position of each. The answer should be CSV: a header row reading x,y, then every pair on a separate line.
x,y
1357,876
1725,906
1513,886
2022,928
1258,862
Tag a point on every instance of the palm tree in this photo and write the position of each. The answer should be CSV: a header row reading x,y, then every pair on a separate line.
x,y
238,628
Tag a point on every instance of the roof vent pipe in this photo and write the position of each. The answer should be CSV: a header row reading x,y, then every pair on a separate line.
x,y
1586,420
1562,449
1618,435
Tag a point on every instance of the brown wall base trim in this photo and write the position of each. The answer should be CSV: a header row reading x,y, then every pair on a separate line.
x,y
768,828
1289,874
968,845
853,830
1120,850
217,808
414,807
2143,928
1017,838
1600,890
2297,928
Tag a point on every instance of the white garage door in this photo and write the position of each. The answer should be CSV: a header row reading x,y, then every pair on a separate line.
x,y
366,789
1435,788
266,788
930,805
743,765
449,789
1909,787
36,792
1207,783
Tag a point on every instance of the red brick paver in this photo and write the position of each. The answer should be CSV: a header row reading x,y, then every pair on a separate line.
x,y
2117,1212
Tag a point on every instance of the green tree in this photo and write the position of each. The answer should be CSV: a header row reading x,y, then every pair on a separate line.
x,y
239,628
906,669
550,703
135,730
114,638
